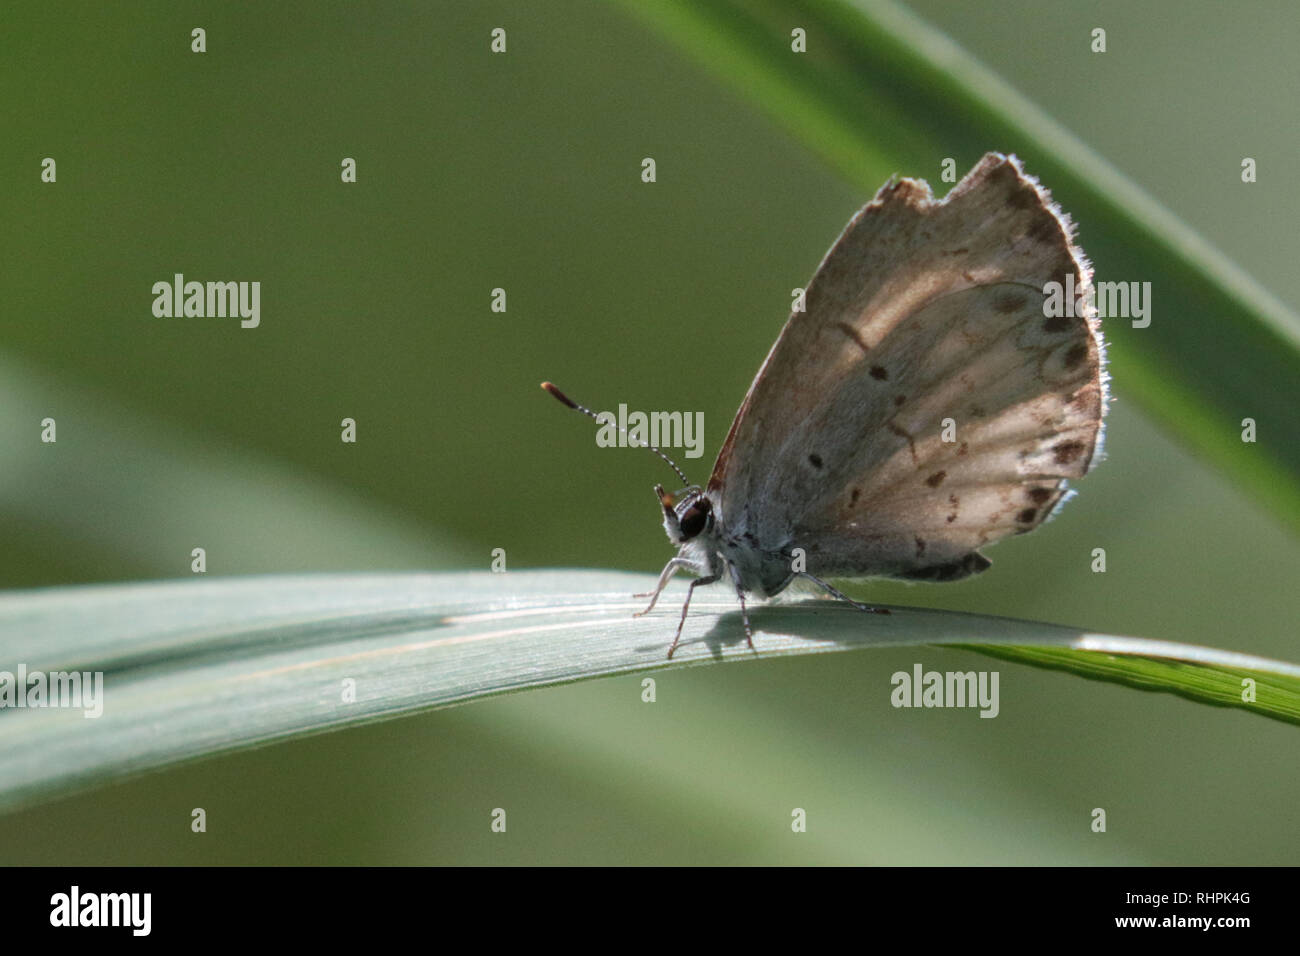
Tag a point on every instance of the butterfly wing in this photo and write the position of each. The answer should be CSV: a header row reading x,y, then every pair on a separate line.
x,y
925,403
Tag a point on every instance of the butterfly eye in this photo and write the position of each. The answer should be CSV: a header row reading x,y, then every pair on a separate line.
x,y
695,518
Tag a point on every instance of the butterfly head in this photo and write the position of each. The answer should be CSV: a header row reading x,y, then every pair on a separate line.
x,y
686,516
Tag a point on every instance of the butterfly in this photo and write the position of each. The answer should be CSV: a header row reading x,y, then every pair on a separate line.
x,y
927,401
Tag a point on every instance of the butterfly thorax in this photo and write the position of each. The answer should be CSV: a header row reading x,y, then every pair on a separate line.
x,y
709,548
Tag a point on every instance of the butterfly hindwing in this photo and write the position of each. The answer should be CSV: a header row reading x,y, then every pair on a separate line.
x,y
925,403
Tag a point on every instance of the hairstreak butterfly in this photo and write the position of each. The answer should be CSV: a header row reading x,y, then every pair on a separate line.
x,y
927,401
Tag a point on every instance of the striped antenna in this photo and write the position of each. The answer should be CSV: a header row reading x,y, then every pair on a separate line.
x,y
565,400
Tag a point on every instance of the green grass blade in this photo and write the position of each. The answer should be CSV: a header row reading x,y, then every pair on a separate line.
x,y
1211,680
194,668
880,92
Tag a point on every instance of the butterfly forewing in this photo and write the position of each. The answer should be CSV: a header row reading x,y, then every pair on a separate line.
x,y
925,403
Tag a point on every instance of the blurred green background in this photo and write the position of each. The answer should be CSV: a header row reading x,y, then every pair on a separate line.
x,y
522,171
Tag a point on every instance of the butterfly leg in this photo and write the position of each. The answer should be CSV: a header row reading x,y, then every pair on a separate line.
x,y
744,611
680,624
671,568
843,597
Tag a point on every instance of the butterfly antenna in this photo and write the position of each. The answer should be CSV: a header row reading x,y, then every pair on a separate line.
x,y
565,400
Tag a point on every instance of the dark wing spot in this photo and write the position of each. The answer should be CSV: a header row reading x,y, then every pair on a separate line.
x,y
936,479
815,459
1039,496
899,399
853,498
920,547
1068,451
1065,266
1024,198
878,372
1045,230
1077,354
1056,323
1009,302
1027,515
